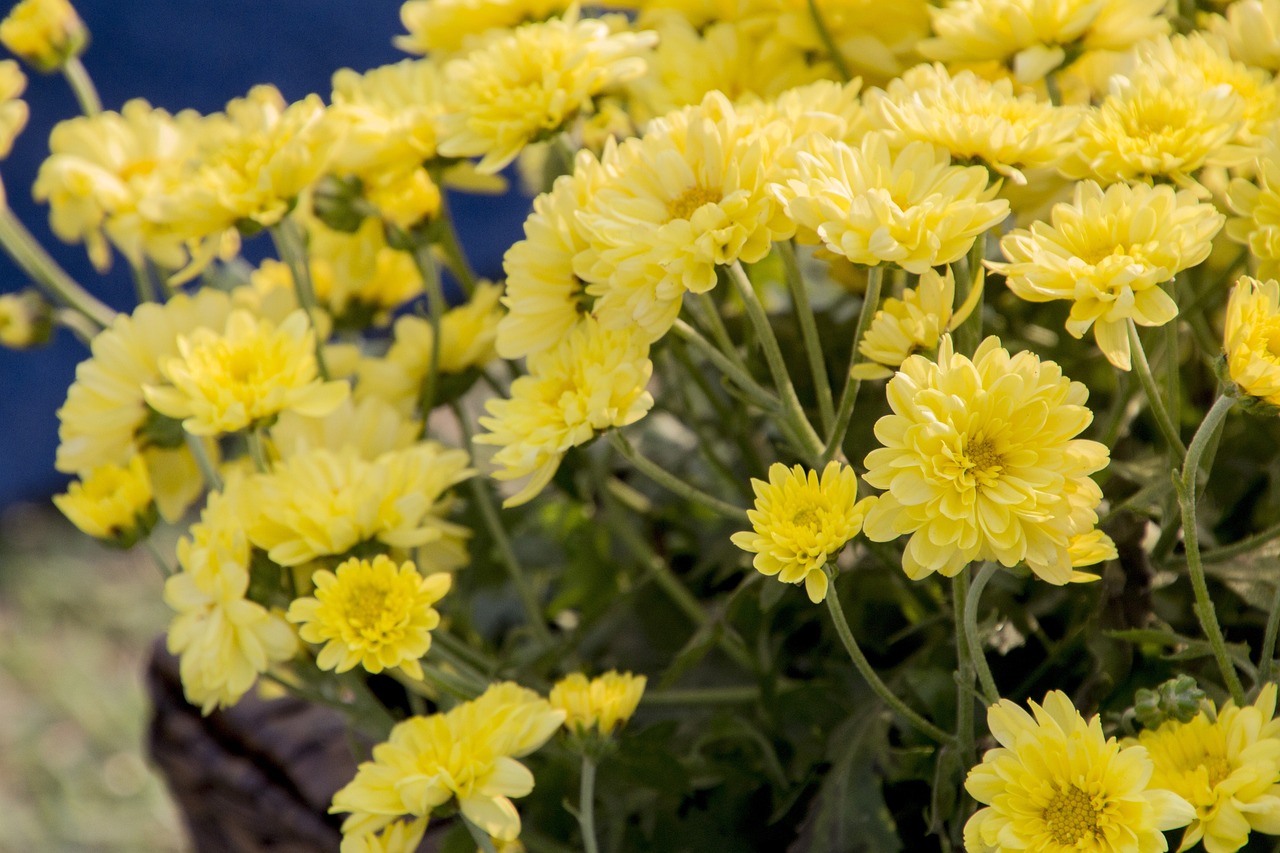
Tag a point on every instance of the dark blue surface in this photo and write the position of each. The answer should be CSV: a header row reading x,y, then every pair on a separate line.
x,y
180,54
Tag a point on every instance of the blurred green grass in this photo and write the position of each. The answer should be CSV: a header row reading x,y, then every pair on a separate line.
x,y
77,621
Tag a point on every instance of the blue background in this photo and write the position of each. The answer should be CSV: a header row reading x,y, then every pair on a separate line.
x,y
179,54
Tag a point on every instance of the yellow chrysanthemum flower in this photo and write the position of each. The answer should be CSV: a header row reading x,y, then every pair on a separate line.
x,y
324,503
1257,202
26,319
1226,763
875,40
1056,784
223,640
45,33
688,196
468,753
914,323
980,461
13,111
1251,30
1251,339
101,170
447,26
371,427
592,381
244,376
526,86
111,502
371,613
913,208
801,521
402,836
1108,251
973,119
1032,37
604,703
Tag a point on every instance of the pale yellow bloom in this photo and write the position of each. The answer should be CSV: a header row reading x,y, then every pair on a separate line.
x,y
526,86
1257,202
402,836
467,753
980,461
1108,251
1251,339
1032,36
604,703
13,111
25,319
447,26
973,119
914,323
242,377
371,613
45,33
111,502
876,40
1251,30
371,427
1226,763
801,521
325,502
592,381
912,208
1056,783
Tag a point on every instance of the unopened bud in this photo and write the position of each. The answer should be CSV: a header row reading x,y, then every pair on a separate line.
x,y
26,320
44,33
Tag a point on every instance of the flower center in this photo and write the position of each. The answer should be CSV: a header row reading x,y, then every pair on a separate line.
x,y
690,200
1071,816
366,608
1218,769
806,517
984,457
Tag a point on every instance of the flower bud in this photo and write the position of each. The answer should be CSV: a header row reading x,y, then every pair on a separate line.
x,y
1177,699
26,320
44,33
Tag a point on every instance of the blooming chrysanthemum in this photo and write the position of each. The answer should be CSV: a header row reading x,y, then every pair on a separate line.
x,y
913,208
981,462
371,613
371,427
527,85
13,111
973,119
875,40
1227,765
1032,36
914,323
1108,251
1251,30
447,26
1251,338
244,376
397,837
801,521
592,381
1257,202
111,502
45,33
325,502
468,753
688,196
1056,784
602,703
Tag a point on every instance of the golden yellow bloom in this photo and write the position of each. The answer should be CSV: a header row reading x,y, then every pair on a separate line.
x,y
912,208
688,196
603,703
1109,251
592,381
13,112
25,319
244,376
1251,338
1032,36
446,26
371,427
468,753
527,85
371,613
1251,30
1056,783
101,170
325,502
980,462
45,33
111,502
1257,202
1226,763
973,119
801,521
914,323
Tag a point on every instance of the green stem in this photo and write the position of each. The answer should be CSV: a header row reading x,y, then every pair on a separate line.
x,y
702,696
754,390
161,563
81,326
1186,483
143,286
457,686
258,450
291,246
976,655
196,445
671,482
824,35
82,86
969,334
1172,379
792,411
587,806
964,671
1052,88
448,241
809,334
1143,368
430,273
483,842
705,310
849,396
869,674
27,253
1268,654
